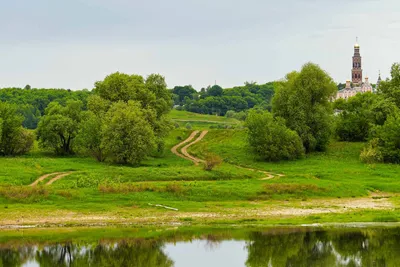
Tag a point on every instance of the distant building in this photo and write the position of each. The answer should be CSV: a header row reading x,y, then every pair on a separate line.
x,y
356,85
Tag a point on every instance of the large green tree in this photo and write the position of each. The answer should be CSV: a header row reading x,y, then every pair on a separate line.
x,y
271,139
151,94
59,126
127,136
303,100
391,87
14,139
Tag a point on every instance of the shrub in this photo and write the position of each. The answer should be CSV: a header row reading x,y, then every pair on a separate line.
x,y
271,139
385,145
23,142
211,161
188,126
14,140
24,193
230,114
176,125
370,153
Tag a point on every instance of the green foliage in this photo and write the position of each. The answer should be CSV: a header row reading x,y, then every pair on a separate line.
x,y
303,101
14,140
188,126
32,102
371,153
360,113
90,135
271,139
355,119
59,127
215,90
391,88
151,93
182,92
385,144
127,136
215,100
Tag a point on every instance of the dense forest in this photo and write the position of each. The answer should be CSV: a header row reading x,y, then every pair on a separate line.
x,y
33,102
216,100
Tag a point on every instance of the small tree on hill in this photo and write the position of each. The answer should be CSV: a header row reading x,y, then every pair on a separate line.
x,y
271,139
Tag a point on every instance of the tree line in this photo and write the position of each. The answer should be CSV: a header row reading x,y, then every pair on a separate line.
x,y
32,103
124,121
216,100
302,119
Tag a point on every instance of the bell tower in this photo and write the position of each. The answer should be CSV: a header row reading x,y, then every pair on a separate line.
x,y
356,72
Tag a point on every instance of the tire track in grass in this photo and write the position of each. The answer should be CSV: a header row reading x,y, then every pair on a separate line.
x,y
175,148
186,155
43,177
58,175
195,160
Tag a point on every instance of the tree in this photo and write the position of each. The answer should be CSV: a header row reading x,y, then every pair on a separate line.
x,y
59,127
356,118
384,144
89,137
215,90
182,92
391,88
271,139
302,99
152,95
127,136
14,140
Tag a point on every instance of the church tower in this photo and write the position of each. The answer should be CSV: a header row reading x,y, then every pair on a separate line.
x,y
356,72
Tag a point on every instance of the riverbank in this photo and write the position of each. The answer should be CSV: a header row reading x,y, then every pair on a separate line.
x,y
376,208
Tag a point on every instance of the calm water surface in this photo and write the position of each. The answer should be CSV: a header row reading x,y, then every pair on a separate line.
x,y
270,247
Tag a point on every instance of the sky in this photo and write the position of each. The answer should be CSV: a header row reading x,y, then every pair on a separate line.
x,y
71,44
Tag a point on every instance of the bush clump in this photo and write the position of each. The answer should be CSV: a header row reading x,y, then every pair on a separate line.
x,y
385,143
271,139
211,161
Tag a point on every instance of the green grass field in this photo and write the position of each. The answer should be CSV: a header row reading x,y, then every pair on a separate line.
x,y
201,121
101,192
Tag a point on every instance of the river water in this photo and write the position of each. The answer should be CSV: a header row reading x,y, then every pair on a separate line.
x,y
223,247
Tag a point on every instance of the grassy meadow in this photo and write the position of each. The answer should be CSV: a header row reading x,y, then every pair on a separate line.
x,y
105,193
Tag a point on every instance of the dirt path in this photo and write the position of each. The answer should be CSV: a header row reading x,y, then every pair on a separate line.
x,y
185,154
195,160
41,178
58,175
175,148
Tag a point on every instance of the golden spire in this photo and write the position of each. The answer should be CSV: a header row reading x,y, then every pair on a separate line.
x,y
356,45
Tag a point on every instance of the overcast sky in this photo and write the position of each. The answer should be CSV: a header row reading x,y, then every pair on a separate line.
x,y
72,44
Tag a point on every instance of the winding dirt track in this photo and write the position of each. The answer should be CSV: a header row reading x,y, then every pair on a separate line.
x,y
58,176
175,148
195,160
41,178
185,154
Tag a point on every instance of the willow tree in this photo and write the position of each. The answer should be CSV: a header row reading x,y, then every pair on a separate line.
x,y
303,100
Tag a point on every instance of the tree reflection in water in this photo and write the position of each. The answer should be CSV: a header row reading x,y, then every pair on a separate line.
x,y
274,247
324,248
124,253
